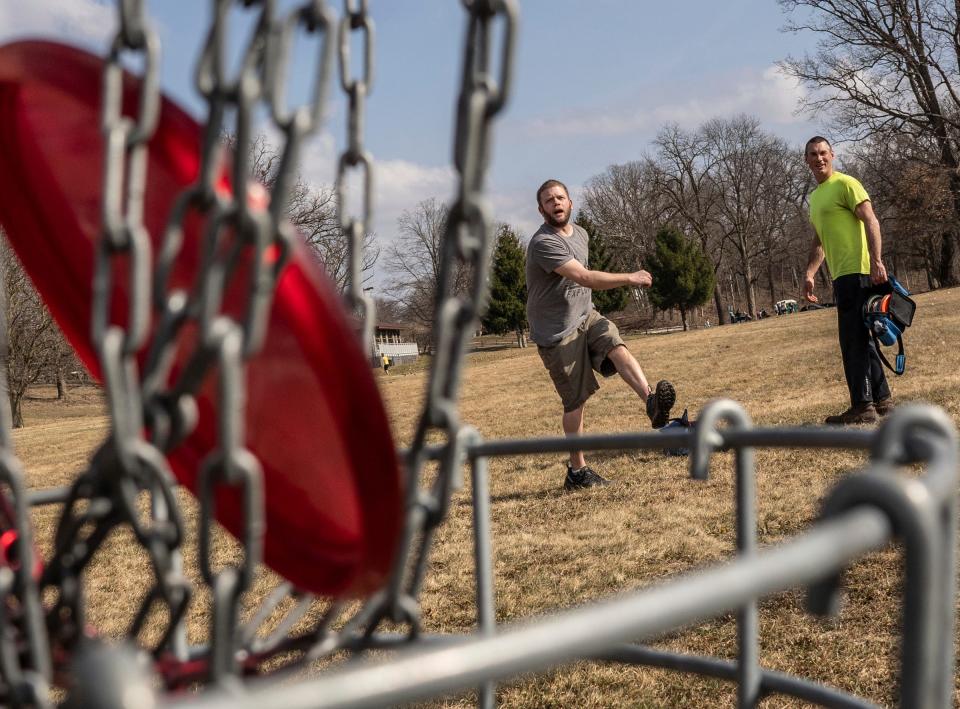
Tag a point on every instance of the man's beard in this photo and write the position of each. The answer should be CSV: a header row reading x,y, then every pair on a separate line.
x,y
556,223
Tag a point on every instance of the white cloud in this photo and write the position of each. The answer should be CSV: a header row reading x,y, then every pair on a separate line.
x,y
85,22
769,95
318,159
401,184
516,209
398,185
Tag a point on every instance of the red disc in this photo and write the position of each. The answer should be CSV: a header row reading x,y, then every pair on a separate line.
x,y
314,417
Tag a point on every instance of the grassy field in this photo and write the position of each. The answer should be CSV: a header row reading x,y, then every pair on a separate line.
x,y
555,550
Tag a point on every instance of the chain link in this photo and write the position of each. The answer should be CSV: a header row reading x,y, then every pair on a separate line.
x,y
239,229
356,156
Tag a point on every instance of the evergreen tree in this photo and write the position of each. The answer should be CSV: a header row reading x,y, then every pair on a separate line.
x,y
605,301
682,276
507,309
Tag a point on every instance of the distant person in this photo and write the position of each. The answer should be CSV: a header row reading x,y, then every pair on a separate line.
x,y
847,234
572,338
386,364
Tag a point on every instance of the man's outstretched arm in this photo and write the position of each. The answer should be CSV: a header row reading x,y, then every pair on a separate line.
x,y
602,280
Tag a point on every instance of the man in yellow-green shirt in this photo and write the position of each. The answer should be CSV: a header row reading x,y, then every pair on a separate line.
x,y
847,234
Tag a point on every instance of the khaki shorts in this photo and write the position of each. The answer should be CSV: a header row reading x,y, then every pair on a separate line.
x,y
572,361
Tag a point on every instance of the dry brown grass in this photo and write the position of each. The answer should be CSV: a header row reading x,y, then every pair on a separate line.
x,y
555,550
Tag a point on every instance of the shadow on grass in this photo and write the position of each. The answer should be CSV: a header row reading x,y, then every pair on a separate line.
x,y
491,348
528,496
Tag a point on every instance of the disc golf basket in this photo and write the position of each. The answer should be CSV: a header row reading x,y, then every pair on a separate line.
x,y
186,291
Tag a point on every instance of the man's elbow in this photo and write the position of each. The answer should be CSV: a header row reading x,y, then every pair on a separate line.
x,y
583,278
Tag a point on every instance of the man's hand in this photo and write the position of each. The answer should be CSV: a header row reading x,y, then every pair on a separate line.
x,y
641,279
807,292
878,272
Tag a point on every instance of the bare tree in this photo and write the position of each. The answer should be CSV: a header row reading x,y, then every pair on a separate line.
x,y
684,168
414,261
736,189
314,211
911,198
757,177
35,344
884,68
625,207
391,311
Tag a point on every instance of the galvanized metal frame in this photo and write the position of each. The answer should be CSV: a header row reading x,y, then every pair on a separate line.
x,y
864,512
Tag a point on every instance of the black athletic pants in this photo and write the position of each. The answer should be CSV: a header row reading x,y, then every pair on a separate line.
x,y
866,380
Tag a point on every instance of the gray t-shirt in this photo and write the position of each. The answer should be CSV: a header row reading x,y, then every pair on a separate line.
x,y
555,305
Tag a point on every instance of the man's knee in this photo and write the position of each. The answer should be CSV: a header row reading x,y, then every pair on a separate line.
x,y
621,356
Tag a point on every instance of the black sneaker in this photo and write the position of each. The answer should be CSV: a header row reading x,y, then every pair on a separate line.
x,y
660,402
585,477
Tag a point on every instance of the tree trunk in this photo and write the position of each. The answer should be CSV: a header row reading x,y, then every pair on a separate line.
x,y
683,318
748,288
61,385
16,412
950,243
718,302
773,292
949,259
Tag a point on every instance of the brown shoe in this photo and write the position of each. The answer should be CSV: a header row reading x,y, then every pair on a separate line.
x,y
861,413
884,406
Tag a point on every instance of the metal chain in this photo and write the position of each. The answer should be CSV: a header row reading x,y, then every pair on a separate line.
x,y
467,239
355,155
141,466
241,230
106,495
238,228
126,465
25,665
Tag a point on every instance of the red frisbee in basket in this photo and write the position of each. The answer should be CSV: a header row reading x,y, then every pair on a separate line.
x,y
314,417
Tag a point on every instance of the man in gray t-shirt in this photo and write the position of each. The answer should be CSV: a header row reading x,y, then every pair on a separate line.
x,y
572,338
556,306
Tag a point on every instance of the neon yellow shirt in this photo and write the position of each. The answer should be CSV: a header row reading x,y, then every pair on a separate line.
x,y
842,235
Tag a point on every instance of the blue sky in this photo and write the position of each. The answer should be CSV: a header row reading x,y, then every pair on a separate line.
x,y
594,82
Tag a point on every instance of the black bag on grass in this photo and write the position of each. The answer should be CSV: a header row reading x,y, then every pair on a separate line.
x,y
674,423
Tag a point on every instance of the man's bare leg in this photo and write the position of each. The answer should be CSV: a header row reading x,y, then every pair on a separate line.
x,y
658,406
573,426
629,370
